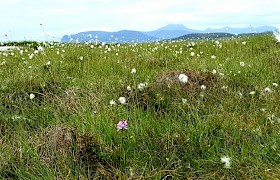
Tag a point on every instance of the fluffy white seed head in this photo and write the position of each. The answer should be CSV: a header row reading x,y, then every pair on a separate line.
x,y
183,78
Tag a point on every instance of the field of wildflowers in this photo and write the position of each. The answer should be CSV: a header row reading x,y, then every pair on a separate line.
x,y
204,109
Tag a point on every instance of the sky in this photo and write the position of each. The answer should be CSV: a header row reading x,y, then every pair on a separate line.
x,y
49,20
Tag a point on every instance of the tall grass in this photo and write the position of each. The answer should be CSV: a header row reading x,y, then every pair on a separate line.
x,y
175,130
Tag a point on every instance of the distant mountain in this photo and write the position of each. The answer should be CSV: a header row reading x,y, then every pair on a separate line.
x,y
170,31
109,37
174,27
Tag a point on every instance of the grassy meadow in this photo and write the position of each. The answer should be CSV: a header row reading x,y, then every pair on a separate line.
x,y
60,105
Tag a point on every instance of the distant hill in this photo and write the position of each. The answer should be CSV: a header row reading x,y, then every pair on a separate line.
x,y
206,36
170,31
202,36
109,37
249,29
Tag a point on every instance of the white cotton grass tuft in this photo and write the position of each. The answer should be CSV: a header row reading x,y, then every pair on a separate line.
x,y
183,78
203,87
226,161
277,35
112,102
275,84
213,57
267,90
252,92
122,100
31,96
141,86
184,100
40,48
133,71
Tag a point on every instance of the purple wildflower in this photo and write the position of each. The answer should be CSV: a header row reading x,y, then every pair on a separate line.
x,y
122,125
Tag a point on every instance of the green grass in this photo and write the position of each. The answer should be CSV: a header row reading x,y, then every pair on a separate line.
x,y
68,131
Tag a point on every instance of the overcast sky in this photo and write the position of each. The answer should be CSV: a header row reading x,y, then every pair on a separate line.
x,y
21,19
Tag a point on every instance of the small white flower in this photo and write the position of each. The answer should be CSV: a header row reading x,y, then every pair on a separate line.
x,y
214,71
203,87
184,100
81,58
122,100
242,64
141,86
133,71
48,63
226,160
112,102
31,96
128,88
267,90
183,78
244,43
192,53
